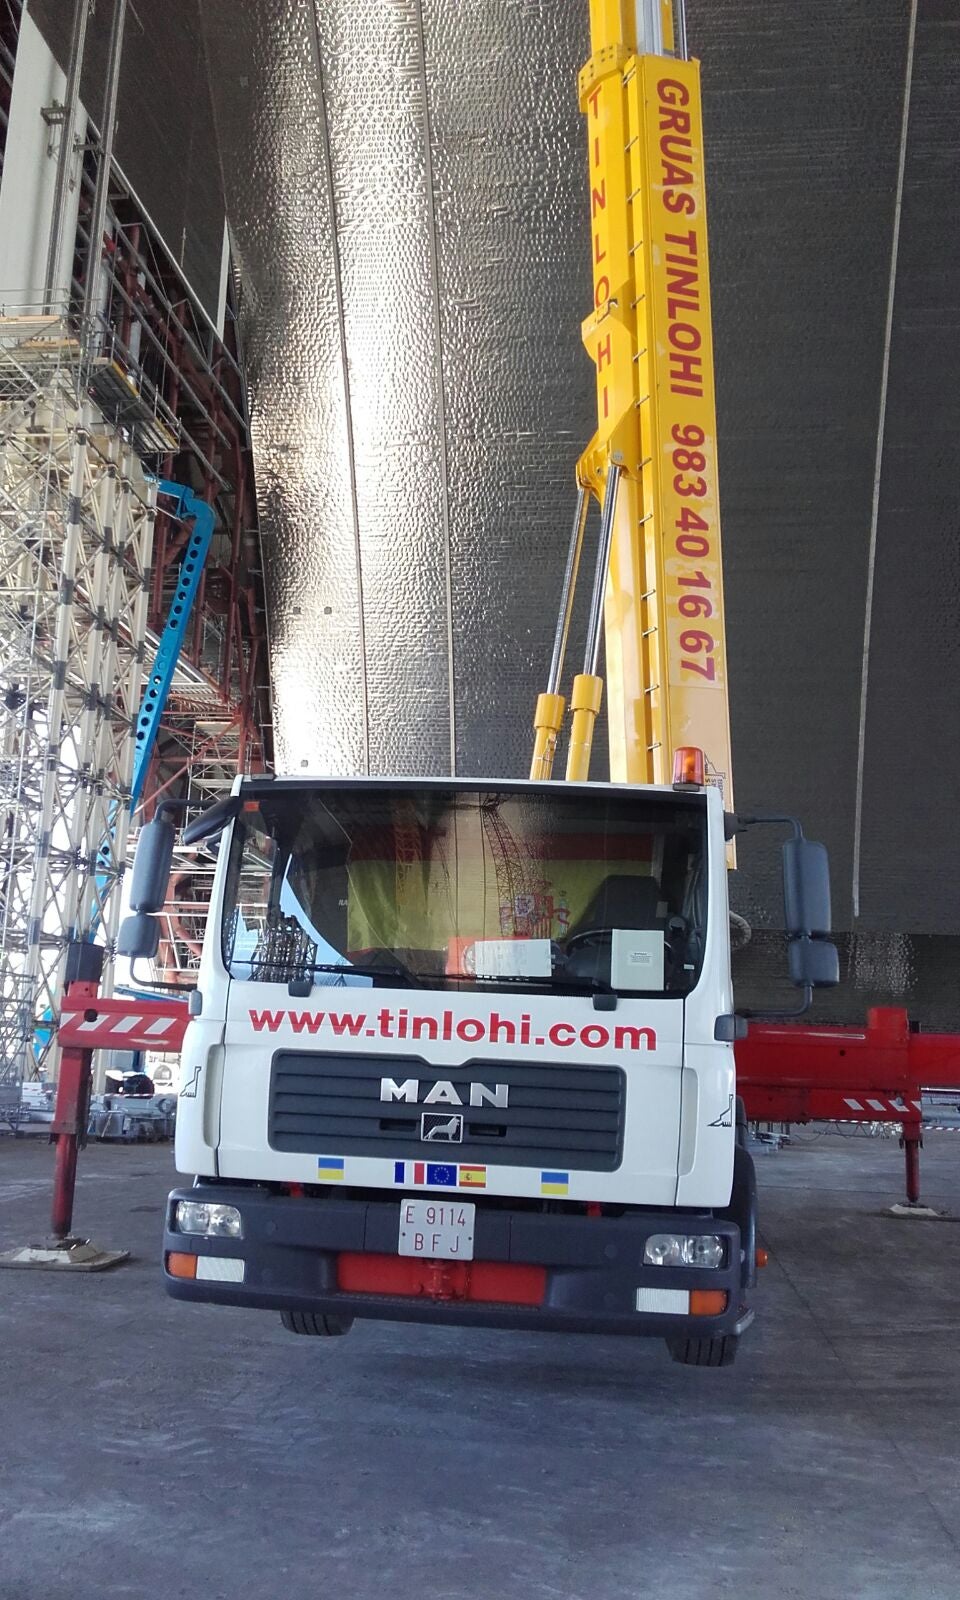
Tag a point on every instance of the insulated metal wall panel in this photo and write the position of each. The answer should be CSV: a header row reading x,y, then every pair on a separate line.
x,y
272,120
371,62
910,879
434,249
802,112
514,271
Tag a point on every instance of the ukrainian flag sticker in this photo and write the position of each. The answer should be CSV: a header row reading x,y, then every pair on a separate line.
x,y
329,1169
554,1182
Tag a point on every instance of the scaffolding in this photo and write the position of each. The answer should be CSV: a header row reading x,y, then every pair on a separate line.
x,y
76,537
112,362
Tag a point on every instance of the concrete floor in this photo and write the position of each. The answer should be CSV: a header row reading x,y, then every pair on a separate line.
x,y
156,1450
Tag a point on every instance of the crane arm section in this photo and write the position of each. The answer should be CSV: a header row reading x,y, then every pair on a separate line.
x,y
650,338
653,459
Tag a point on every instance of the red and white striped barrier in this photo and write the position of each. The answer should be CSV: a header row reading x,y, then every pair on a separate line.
x,y
122,1024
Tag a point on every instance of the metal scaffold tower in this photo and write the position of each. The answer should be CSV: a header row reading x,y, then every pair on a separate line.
x,y
76,538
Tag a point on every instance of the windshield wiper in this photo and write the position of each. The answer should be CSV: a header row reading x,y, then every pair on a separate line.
x,y
361,969
594,985
605,997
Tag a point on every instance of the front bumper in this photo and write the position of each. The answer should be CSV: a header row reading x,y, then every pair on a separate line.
x,y
592,1266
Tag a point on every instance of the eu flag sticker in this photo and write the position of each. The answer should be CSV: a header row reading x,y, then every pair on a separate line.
x,y
329,1169
425,1172
554,1182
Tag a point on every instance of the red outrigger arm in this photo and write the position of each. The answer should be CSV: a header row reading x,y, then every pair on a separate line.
x,y
792,1072
788,1072
121,1023
89,1022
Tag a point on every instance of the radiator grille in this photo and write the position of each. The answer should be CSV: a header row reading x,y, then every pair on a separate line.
x,y
568,1116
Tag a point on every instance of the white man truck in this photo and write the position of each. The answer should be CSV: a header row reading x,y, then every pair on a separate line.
x,y
464,1051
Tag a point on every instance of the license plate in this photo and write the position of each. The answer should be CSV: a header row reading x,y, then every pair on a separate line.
x,y
441,1229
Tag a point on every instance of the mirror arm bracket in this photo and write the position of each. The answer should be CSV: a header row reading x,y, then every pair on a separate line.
x,y
759,817
157,983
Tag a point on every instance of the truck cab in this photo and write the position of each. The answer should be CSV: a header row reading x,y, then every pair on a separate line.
x,y
463,1051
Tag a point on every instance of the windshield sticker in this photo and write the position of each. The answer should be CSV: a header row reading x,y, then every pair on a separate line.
x,y
636,958
508,958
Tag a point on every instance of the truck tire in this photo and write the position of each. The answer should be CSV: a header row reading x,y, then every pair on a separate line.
x,y
312,1323
720,1352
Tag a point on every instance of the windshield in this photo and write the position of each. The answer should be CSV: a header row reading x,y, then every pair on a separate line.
x,y
490,889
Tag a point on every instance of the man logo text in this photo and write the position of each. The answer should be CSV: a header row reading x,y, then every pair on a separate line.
x,y
444,1093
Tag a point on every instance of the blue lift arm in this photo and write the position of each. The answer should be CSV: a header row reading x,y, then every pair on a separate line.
x,y
157,685
160,677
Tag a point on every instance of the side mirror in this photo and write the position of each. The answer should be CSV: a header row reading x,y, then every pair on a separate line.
x,y
139,937
813,963
151,866
813,960
211,821
806,888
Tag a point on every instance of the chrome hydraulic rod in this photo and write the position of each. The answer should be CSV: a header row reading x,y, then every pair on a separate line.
x,y
568,591
548,717
587,686
591,653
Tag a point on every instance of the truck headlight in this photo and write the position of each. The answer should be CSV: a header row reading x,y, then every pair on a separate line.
x,y
683,1250
209,1220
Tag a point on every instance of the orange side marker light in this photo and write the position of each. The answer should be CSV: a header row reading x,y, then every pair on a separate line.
x,y
181,1265
707,1302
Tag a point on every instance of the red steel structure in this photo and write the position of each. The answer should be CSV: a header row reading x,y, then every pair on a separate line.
x,y
789,1072
160,367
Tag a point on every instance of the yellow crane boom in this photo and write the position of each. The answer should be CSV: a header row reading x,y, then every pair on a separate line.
x,y
652,463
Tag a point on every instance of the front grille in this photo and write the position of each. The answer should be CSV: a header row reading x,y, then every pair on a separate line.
x,y
557,1116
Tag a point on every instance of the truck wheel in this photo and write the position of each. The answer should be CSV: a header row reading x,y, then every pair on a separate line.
x,y
721,1352
311,1322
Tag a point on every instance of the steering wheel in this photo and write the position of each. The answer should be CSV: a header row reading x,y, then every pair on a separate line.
x,y
578,939
676,926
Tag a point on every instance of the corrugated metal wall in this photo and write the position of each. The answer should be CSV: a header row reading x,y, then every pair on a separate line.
x,y
409,223
804,110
